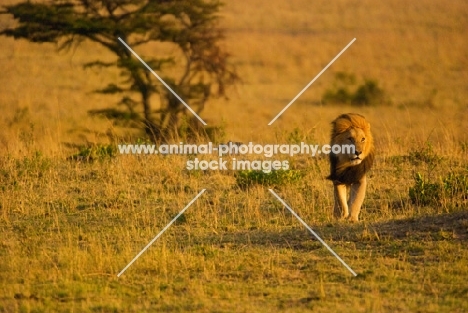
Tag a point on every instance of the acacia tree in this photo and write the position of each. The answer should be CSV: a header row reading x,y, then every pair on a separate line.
x,y
189,25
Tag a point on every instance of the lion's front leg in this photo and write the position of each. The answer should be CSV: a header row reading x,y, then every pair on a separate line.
x,y
356,198
341,204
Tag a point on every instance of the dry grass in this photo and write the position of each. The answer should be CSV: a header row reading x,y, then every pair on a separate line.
x,y
69,227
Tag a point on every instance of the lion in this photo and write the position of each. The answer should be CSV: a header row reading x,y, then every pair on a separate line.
x,y
348,169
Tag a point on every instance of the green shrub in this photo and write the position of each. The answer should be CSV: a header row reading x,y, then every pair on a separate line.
x,y
453,189
424,154
456,185
298,135
423,192
36,164
368,93
95,152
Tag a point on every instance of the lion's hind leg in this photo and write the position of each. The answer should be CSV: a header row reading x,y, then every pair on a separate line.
x,y
341,203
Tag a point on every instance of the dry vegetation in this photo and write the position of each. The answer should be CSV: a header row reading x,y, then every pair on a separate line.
x,y
69,227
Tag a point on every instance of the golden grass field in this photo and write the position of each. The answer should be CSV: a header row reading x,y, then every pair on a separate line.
x,y
69,227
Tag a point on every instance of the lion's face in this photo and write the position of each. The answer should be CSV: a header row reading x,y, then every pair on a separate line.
x,y
352,132
354,146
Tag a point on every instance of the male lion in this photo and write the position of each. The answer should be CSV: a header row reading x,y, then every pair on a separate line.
x,y
348,169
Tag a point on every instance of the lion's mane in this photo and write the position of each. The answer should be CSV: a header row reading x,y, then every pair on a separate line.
x,y
345,173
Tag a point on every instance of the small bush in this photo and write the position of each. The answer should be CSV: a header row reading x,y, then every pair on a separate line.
x,y
298,135
368,93
274,178
424,154
95,152
36,164
423,192
452,188
456,185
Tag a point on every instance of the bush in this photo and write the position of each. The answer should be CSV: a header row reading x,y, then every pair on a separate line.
x,y
298,135
368,93
453,187
456,185
95,152
423,192
426,155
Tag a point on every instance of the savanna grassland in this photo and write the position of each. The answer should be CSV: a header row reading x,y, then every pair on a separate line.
x,y
69,225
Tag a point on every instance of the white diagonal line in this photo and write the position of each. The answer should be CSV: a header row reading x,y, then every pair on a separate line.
x,y
311,82
163,82
313,233
161,232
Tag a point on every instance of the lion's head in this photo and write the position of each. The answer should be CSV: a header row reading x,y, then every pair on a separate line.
x,y
353,131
